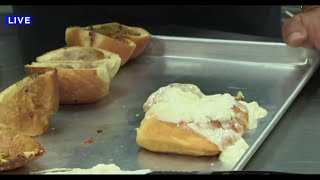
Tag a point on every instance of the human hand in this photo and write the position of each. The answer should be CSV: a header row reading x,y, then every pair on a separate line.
x,y
303,30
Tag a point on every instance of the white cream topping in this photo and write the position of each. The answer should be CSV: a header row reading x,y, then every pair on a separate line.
x,y
219,136
98,169
255,112
232,154
178,103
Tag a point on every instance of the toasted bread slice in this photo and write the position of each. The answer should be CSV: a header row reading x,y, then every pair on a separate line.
x,y
84,73
138,35
16,150
26,107
79,36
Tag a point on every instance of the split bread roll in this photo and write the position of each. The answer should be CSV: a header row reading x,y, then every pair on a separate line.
x,y
129,42
16,150
27,106
84,73
180,119
138,35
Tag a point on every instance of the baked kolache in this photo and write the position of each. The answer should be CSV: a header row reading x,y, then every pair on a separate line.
x,y
180,119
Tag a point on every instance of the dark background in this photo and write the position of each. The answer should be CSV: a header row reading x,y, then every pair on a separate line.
x,y
49,22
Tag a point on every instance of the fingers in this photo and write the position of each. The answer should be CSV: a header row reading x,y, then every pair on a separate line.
x,y
308,8
303,30
293,32
311,21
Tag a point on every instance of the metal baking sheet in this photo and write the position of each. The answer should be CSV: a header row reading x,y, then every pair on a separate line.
x,y
270,73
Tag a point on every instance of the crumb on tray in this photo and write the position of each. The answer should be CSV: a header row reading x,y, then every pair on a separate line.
x,y
99,131
88,142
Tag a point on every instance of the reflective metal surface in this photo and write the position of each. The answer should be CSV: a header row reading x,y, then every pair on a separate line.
x,y
269,73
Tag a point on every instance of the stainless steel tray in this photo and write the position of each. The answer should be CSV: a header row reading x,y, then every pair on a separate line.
x,y
269,73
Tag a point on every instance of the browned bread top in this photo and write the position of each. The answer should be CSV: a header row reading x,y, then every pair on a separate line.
x,y
26,107
129,42
16,150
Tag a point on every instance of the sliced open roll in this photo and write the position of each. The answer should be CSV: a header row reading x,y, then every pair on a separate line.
x,y
138,35
16,150
129,42
84,73
27,106
180,119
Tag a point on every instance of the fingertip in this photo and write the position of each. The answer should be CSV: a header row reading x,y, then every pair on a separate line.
x,y
294,32
296,39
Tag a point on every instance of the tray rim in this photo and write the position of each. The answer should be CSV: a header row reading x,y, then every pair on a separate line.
x,y
303,59
216,40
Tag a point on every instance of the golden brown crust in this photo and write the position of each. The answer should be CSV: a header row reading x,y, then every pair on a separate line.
x,y
141,40
138,35
80,81
26,107
129,42
159,136
49,99
16,150
84,86
81,86
77,36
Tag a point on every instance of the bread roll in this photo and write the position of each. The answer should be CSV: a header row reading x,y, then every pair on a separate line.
x,y
129,42
180,119
138,35
27,106
78,36
84,73
16,150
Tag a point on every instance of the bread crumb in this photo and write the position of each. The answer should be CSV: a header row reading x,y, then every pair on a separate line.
x,y
239,96
88,142
99,131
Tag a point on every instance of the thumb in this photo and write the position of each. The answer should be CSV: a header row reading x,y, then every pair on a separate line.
x,y
293,32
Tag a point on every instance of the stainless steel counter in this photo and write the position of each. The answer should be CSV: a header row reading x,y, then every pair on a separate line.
x,y
291,146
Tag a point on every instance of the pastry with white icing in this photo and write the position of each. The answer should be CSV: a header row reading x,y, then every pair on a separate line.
x,y
180,119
